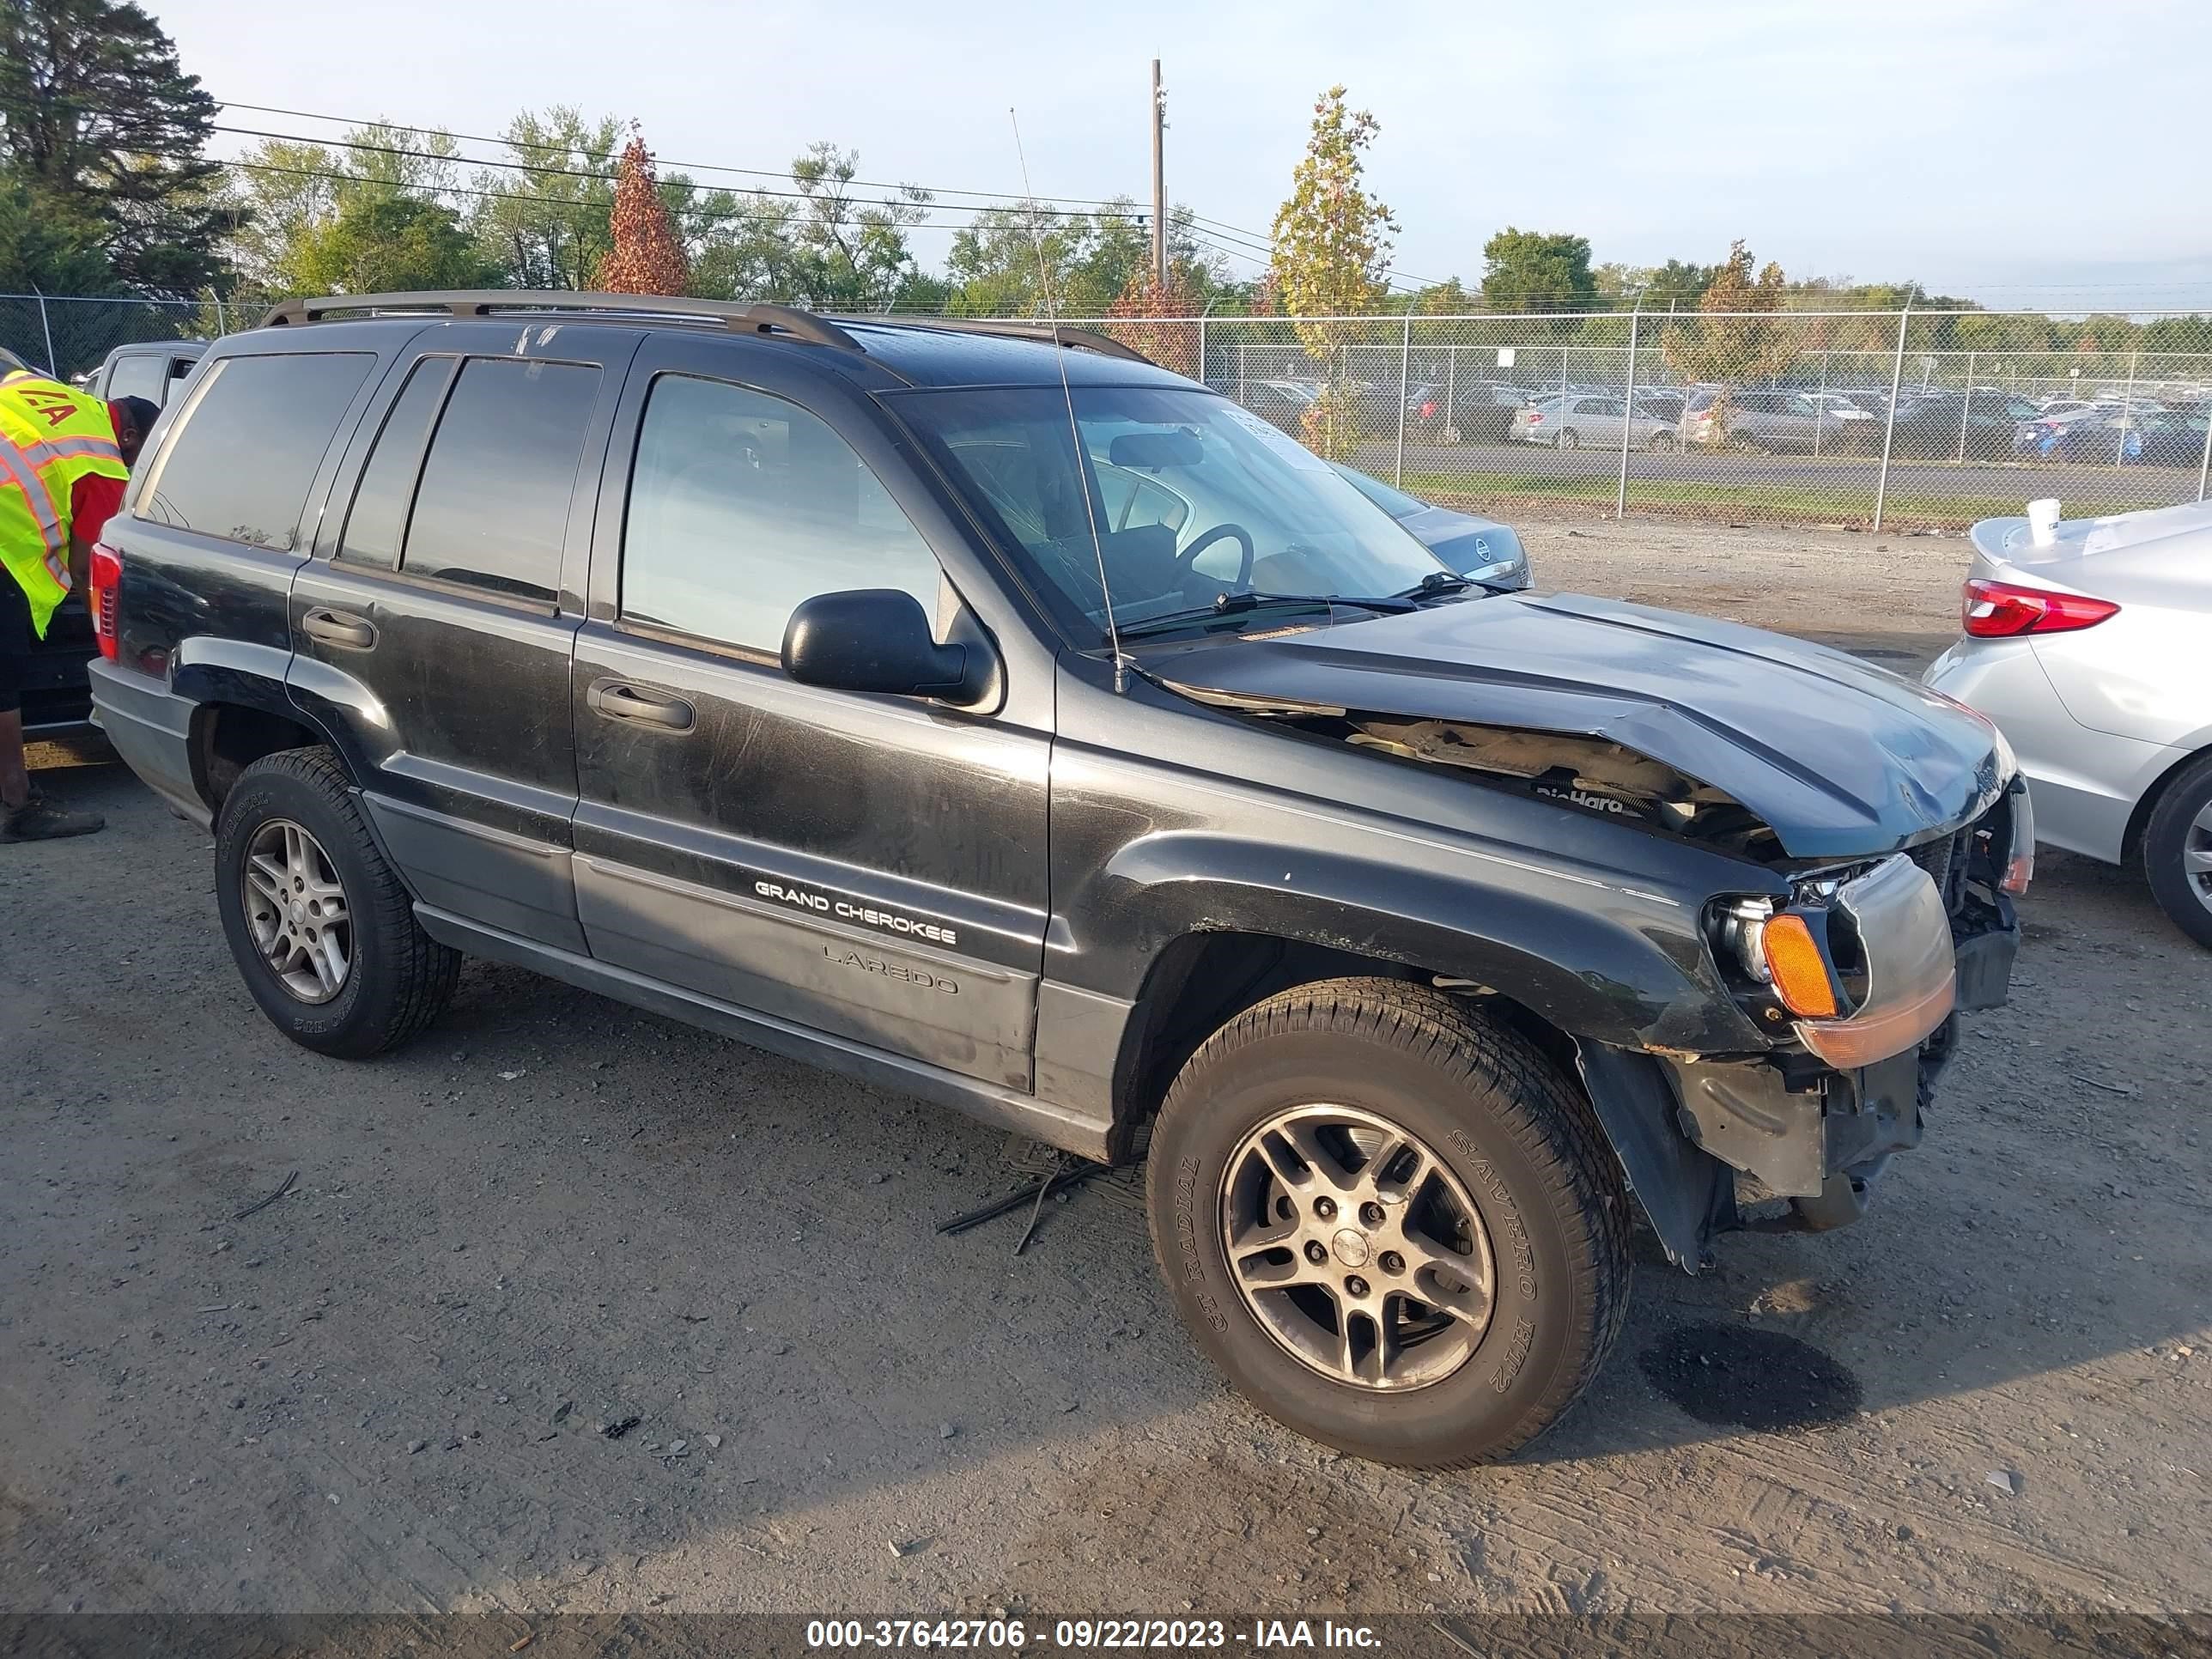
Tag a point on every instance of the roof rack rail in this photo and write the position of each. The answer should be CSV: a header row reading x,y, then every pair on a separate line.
x,y
1080,339
743,318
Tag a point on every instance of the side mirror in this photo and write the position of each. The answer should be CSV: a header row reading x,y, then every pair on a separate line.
x,y
877,638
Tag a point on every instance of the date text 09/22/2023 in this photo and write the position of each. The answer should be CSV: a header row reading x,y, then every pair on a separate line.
x,y
1260,1635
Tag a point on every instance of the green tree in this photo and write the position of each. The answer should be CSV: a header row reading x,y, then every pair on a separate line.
x,y
286,195
380,243
738,243
1332,250
1093,258
1676,285
850,252
46,253
1448,298
547,221
1681,282
100,123
1533,270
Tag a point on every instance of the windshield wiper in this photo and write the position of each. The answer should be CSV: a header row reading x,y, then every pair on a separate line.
x,y
1234,605
1436,582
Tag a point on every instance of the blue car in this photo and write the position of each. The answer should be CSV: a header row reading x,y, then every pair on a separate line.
x,y
1478,549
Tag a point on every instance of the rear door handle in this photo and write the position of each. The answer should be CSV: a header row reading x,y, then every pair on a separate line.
x,y
618,700
339,628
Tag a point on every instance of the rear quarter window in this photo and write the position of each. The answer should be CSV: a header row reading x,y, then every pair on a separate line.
x,y
141,374
241,463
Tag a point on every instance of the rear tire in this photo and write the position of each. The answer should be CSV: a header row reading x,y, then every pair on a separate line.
x,y
2177,851
1568,439
1661,444
397,979
1508,1135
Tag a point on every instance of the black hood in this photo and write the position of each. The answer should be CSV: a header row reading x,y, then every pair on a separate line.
x,y
1840,759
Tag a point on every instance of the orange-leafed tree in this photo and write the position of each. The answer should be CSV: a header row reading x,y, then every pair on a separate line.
x,y
1156,319
647,256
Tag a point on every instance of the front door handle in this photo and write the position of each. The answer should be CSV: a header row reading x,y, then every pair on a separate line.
x,y
339,628
618,700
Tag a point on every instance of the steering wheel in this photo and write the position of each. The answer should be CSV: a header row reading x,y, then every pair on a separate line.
x,y
1186,560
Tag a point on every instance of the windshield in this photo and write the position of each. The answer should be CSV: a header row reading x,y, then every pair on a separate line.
x,y
1396,502
1194,498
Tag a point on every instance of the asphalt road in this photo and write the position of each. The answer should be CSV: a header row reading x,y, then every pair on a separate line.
x,y
384,1388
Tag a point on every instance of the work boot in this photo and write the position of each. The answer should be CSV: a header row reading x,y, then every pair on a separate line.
x,y
40,819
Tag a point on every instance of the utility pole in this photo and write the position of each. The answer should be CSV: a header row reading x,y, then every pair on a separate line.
x,y
1159,185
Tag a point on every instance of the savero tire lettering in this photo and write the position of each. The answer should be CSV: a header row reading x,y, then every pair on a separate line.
x,y
865,915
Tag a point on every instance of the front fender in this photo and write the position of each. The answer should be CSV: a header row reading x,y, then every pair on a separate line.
x,y
1599,960
1687,1193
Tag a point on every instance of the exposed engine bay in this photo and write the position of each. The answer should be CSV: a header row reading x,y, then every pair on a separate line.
x,y
1591,774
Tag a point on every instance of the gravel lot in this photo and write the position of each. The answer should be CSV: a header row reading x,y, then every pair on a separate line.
x,y
385,1390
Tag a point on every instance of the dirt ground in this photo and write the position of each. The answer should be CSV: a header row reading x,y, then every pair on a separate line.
x,y
387,1388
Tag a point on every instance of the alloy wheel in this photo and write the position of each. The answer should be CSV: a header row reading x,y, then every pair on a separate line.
x,y
1356,1247
2196,856
296,911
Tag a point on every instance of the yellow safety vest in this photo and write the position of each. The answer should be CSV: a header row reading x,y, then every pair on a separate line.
x,y
51,436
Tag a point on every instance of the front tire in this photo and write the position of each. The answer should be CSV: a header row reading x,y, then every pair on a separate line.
x,y
322,930
2177,850
1395,1226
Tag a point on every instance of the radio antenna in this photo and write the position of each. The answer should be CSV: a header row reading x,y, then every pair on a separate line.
x,y
1074,432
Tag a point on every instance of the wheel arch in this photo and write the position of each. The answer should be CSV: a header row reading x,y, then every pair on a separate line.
x,y
1684,1191
229,735
242,710
2147,803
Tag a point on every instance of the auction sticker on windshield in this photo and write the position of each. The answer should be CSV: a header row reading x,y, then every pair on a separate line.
x,y
1288,448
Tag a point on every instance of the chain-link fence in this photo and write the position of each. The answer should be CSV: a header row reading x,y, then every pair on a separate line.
x,y
68,335
1906,419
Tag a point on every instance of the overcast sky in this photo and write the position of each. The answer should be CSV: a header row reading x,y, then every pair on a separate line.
x,y
2022,152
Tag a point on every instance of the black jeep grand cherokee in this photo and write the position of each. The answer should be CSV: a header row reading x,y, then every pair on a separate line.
x,y
1022,725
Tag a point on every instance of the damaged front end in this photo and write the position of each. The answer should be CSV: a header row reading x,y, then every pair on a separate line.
x,y
1591,774
1890,827
1869,967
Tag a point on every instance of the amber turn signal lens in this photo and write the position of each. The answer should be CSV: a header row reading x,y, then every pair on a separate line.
x,y
1800,973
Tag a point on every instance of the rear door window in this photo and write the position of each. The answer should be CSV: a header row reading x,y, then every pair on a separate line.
x,y
491,510
242,465
378,522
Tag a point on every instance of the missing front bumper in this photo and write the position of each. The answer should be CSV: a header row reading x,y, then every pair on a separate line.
x,y
1819,1138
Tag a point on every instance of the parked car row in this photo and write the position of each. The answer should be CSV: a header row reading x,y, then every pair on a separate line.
x,y
1979,423
2153,436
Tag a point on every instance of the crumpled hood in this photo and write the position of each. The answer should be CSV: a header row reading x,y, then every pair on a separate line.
x,y
1841,758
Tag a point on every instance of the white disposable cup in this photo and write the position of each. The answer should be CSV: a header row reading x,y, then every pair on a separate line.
x,y
2043,522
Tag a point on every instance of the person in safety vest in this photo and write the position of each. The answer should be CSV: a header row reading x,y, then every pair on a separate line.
x,y
63,459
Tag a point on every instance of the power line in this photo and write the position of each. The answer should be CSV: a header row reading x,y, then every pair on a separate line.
x,y
1234,237
1259,241
478,194
685,166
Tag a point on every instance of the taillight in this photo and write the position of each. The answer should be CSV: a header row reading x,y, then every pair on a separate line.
x,y
106,578
1535,419
2001,611
1428,411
